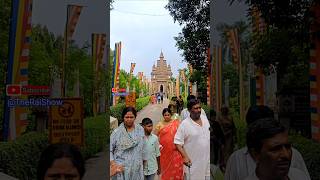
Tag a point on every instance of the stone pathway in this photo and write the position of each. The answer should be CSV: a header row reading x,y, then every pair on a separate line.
x,y
154,112
97,166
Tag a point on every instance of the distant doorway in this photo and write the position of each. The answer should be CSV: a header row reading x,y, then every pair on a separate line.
x,y
161,88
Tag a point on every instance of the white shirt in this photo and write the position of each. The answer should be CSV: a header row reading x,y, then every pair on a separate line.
x,y
196,142
293,174
240,164
185,114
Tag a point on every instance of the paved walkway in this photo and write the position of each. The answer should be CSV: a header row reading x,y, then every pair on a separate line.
x,y
97,166
152,111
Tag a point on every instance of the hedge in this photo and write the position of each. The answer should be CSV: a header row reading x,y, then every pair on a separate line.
x,y
20,158
116,110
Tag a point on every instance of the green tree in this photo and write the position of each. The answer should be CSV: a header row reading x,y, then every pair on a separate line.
x,y
193,41
285,43
5,11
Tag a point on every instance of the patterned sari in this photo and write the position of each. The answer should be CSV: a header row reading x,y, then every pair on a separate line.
x,y
170,159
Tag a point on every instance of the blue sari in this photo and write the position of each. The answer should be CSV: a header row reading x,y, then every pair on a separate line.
x,y
127,149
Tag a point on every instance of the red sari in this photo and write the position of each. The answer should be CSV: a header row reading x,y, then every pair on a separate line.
x,y
170,159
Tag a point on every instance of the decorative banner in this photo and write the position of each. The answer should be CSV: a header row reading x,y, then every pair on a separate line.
x,y
133,65
258,27
258,23
315,72
234,44
15,119
98,49
116,68
208,77
66,122
131,100
191,72
218,79
260,78
178,85
73,12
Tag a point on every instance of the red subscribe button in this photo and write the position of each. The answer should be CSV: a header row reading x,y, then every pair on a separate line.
x,y
17,90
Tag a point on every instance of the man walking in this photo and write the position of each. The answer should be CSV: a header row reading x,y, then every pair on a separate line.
x,y
193,142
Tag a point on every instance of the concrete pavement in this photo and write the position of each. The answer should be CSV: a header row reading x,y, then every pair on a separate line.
x,y
97,166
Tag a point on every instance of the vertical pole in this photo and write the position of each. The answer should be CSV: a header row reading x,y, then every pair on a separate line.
x,y
64,55
241,87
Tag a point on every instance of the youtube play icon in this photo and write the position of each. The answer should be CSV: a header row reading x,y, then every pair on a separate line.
x,y
13,90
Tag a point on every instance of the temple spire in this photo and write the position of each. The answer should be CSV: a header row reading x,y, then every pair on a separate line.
x,y
161,54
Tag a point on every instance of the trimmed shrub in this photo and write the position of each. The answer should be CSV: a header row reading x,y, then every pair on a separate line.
x,y
95,136
20,158
116,110
310,152
142,102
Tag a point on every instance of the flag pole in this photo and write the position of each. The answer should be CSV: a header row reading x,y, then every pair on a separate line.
x,y
64,54
241,85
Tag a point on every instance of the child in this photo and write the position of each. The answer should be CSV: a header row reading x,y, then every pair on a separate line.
x,y
152,152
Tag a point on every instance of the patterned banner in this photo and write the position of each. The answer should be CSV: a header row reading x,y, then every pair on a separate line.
x,y
209,77
218,69
315,73
15,119
178,85
258,27
98,49
73,12
234,43
191,72
260,80
133,65
116,69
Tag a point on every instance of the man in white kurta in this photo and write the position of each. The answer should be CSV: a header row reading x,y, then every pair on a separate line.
x,y
194,138
185,113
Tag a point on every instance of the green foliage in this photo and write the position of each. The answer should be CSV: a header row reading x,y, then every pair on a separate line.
x,y
142,102
194,39
310,152
230,72
134,83
5,11
96,138
116,110
20,158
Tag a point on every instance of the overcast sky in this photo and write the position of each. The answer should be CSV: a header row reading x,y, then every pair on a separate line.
x,y
143,26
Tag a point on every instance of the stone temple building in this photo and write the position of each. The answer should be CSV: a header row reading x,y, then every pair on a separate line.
x,y
161,77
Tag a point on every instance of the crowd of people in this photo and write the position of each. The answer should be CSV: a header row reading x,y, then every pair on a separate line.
x,y
189,147
178,148
184,144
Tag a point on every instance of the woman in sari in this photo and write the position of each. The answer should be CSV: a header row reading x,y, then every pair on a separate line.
x,y
170,160
127,147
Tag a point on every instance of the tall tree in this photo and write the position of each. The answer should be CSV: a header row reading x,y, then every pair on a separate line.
x,y
285,43
193,41
5,11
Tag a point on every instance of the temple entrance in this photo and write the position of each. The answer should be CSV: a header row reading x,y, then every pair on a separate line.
x,y
161,88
